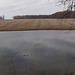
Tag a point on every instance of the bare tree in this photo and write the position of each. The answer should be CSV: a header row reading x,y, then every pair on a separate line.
x,y
3,17
69,3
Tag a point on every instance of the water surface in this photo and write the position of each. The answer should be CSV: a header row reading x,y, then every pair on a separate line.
x,y
37,52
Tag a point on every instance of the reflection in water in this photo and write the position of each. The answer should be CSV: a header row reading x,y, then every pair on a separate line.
x,y
37,53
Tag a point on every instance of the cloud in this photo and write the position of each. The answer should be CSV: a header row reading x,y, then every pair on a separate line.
x,y
10,8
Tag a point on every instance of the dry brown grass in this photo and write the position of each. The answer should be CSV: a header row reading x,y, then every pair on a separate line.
x,y
37,24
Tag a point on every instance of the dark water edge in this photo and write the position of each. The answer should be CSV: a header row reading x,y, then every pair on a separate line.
x,y
37,53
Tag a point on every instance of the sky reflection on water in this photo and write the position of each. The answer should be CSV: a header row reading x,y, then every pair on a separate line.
x,y
37,52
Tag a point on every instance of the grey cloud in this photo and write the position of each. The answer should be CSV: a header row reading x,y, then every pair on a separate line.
x,y
11,8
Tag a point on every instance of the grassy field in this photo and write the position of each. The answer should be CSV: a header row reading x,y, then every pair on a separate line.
x,y
37,24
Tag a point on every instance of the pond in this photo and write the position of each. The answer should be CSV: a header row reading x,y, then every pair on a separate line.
x,y
37,52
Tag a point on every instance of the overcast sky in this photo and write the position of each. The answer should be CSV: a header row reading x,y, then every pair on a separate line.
x,y
10,8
